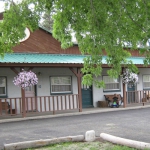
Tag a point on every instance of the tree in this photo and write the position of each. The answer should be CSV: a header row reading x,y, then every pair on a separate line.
x,y
98,25
47,21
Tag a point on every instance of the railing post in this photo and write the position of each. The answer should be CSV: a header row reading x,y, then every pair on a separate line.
x,y
53,105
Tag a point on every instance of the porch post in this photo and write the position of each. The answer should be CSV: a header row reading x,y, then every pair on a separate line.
x,y
124,92
78,74
124,95
23,100
79,92
23,103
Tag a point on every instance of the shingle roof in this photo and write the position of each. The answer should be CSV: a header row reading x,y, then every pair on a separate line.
x,y
54,58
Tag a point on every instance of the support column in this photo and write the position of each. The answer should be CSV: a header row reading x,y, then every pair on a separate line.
x,y
124,92
23,103
22,92
78,74
80,93
124,95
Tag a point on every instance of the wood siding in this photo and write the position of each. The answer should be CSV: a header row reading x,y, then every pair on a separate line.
x,y
41,41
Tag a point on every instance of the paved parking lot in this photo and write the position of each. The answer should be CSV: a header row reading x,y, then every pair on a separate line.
x,y
131,124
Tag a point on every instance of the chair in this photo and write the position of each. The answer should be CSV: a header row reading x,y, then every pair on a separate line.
x,y
4,106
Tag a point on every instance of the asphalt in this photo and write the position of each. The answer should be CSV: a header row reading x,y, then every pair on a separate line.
x,y
72,113
114,121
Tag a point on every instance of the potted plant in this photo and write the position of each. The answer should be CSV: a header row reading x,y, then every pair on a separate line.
x,y
25,79
129,77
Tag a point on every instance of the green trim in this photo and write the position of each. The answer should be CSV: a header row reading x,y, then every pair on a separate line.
x,y
61,93
111,91
6,95
146,89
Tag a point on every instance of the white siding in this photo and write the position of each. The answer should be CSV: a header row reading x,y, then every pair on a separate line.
x,y
43,86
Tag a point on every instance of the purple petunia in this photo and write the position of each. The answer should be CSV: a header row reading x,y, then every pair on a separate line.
x,y
25,79
128,77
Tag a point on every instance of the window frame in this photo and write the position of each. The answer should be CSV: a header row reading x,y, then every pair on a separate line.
x,y
147,88
4,95
61,92
111,90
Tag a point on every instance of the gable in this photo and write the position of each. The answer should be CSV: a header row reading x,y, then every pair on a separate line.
x,y
41,41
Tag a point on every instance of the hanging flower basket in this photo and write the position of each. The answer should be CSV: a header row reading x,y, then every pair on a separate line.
x,y
25,79
129,77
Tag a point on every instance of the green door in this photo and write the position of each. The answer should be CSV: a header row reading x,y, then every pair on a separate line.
x,y
131,92
87,100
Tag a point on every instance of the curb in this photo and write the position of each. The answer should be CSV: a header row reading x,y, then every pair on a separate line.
x,y
71,114
125,142
39,143
89,136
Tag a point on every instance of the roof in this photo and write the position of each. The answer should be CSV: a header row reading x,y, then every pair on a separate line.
x,y
54,58
42,58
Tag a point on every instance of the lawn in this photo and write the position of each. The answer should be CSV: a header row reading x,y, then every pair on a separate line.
x,y
97,145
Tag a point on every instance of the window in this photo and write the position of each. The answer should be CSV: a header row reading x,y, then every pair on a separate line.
x,y
2,86
146,81
61,84
111,84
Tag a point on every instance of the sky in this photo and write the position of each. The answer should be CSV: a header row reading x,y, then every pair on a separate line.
x,y
2,9
1,6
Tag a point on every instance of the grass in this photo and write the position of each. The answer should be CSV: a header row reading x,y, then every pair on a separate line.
x,y
84,146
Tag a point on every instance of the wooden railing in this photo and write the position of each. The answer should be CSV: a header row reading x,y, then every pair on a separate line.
x,y
39,104
142,96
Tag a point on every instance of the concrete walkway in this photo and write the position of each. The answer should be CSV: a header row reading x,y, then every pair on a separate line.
x,y
34,116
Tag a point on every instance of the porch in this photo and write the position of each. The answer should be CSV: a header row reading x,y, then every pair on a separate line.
x,y
46,115
57,105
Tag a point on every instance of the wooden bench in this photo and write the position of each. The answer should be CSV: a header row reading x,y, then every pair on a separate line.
x,y
146,97
4,106
145,100
109,98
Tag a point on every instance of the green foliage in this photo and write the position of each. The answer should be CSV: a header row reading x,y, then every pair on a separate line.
x,y
47,21
118,147
98,25
83,146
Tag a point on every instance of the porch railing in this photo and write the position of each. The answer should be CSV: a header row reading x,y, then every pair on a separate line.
x,y
39,104
138,96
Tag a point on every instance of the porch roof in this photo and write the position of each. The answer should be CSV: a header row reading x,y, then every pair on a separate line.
x,y
54,58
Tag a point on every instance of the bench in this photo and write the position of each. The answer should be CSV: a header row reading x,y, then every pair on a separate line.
x,y
4,106
146,97
145,100
109,98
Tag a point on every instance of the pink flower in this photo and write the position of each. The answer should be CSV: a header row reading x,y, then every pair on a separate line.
x,y
25,79
129,76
